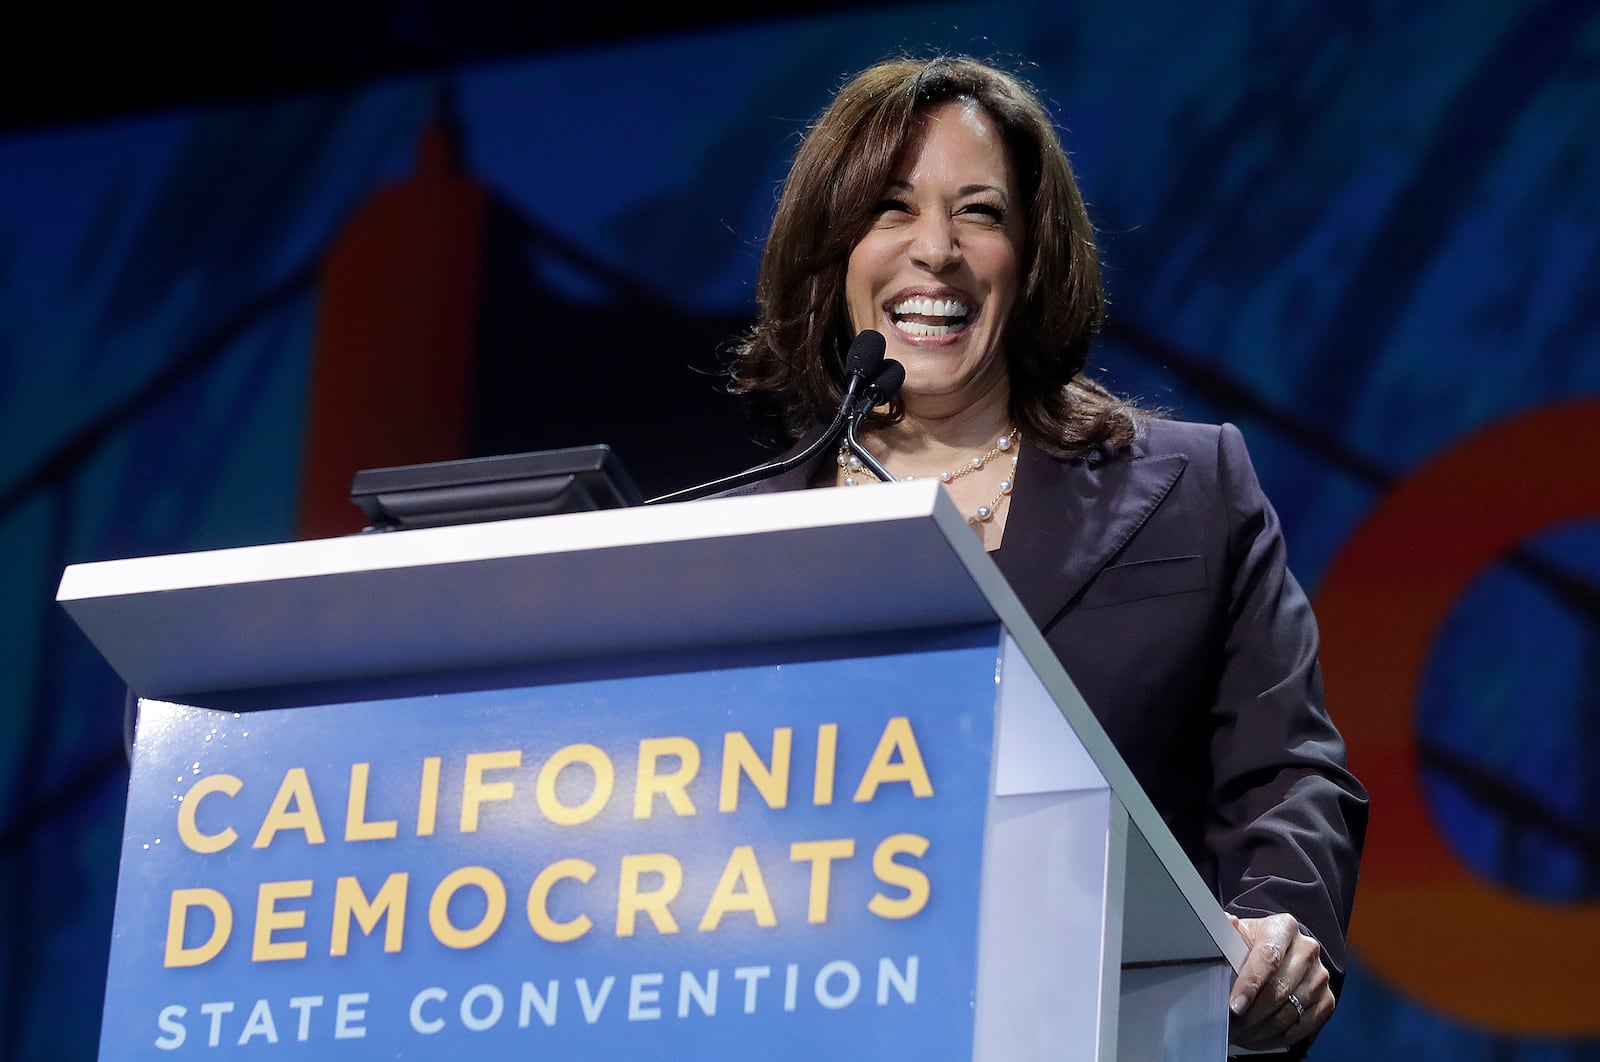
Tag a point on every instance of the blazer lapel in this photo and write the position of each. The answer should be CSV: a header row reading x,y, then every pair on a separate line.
x,y
1070,518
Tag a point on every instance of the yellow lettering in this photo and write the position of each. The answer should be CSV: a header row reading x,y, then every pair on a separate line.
x,y
673,786
189,832
911,879
428,800
494,891
631,900
772,782
605,779
827,754
295,790
269,920
475,791
183,900
742,870
389,904
897,738
356,826
539,901
820,854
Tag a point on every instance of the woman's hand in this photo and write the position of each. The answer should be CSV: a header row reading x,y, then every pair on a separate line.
x,y
1282,995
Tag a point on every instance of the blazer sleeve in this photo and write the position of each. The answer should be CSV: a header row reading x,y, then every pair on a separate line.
x,y
1287,818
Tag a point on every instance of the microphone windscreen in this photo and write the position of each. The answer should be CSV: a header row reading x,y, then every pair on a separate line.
x,y
887,383
864,355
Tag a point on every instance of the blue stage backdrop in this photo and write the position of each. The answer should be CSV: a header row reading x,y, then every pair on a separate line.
x,y
1366,233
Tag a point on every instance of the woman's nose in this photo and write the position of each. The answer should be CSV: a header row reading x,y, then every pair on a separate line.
x,y
934,246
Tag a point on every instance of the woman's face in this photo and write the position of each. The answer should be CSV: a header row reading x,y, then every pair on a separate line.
x,y
937,273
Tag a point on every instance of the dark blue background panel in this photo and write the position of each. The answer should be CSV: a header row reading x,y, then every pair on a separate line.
x,y
1363,232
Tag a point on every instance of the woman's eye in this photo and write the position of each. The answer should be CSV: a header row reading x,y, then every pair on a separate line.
x,y
987,210
891,206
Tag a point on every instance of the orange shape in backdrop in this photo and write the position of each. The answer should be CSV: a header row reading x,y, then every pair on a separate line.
x,y
1425,923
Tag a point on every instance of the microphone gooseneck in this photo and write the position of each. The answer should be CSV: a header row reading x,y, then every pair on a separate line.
x,y
880,389
864,364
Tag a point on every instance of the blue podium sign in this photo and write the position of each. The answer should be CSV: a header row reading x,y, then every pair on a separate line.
x,y
774,860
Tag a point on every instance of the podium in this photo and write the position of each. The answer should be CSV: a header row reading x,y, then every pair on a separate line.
x,y
784,776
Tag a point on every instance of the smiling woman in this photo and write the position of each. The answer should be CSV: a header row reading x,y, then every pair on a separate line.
x,y
953,224
932,203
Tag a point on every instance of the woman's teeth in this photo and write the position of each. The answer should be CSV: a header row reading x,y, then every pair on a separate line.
x,y
921,315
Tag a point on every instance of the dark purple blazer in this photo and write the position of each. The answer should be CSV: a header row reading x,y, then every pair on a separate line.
x,y
1158,576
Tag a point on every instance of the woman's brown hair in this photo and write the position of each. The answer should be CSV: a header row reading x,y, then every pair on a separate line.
x,y
789,366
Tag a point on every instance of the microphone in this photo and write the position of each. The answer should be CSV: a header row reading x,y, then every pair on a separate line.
x,y
883,386
863,365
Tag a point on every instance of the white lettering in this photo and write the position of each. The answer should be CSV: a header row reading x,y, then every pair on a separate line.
x,y
593,1005
791,985
172,1031
904,983
852,980
532,1000
497,1007
304,1004
424,1025
704,995
259,1023
644,990
351,1013
751,976
216,1011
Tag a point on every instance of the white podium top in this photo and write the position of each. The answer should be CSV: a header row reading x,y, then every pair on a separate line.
x,y
717,572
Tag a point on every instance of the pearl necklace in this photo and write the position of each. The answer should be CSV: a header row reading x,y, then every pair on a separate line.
x,y
852,466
